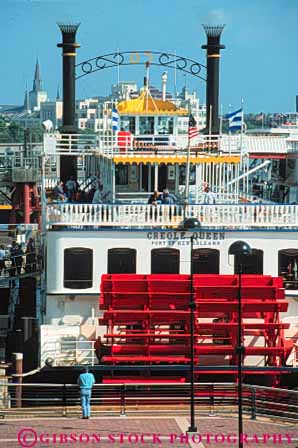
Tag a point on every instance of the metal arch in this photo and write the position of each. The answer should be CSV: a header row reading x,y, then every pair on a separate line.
x,y
164,59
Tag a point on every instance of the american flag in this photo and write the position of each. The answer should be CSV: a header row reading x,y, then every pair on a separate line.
x,y
193,131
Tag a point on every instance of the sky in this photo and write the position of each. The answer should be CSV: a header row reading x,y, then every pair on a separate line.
x,y
259,64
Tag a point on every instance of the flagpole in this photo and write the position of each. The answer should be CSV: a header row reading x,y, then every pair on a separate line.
x,y
115,125
242,125
175,77
210,126
187,167
118,69
230,109
220,121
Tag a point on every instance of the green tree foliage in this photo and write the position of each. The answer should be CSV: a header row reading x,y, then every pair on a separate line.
x,y
13,132
4,133
87,131
36,133
16,133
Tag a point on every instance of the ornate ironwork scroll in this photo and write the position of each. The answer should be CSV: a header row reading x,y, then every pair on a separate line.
x,y
168,60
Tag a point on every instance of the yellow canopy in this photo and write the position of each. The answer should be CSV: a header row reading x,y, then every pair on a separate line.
x,y
179,159
146,105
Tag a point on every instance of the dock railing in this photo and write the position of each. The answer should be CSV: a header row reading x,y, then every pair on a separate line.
x,y
231,216
145,397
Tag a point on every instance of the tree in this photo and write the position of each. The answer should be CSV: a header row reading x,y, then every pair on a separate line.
x,y
16,133
4,134
87,131
36,133
13,132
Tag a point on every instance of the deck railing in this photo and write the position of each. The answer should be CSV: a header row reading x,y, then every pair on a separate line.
x,y
112,144
70,352
233,216
122,399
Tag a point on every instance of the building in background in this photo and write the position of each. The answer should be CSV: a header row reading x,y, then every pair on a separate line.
x,y
123,91
53,111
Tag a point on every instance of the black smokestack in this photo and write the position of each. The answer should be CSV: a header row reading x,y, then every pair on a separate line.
x,y
213,48
68,164
69,47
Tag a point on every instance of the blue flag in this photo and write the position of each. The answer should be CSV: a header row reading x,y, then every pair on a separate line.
x,y
235,120
115,119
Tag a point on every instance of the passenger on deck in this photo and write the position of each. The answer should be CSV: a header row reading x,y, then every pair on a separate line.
x,y
168,198
209,197
100,197
155,198
59,192
71,188
94,182
97,197
82,197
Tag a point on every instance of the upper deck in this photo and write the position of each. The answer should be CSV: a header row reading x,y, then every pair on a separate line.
x,y
219,161
211,156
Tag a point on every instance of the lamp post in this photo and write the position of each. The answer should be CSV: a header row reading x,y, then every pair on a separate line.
x,y
192,224
240,249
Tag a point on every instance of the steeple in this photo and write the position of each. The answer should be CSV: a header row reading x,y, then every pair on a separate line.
x,y
58,94
37,86
26,101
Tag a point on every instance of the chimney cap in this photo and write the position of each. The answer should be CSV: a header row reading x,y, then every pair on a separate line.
x,y
69,28
213,30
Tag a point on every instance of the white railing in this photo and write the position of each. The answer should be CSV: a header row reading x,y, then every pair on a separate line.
x,y
266,144
26,162
138,215
112,144
70,144
51,182
70,352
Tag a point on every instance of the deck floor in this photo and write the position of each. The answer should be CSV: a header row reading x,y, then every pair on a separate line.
x,y
160,431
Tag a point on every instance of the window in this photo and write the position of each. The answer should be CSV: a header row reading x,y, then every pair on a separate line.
x,y
205,261
251,264
121,174
182,174
165,261
288,267
146,125
165,125
78,268
128,124
122,261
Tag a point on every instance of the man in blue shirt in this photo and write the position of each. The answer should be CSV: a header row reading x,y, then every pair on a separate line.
x,y
86,381
167,197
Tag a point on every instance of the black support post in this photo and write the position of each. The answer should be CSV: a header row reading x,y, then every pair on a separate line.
x,y
212,48
240,350
192,307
